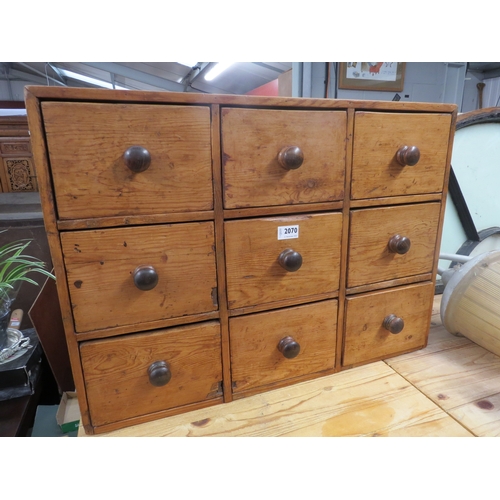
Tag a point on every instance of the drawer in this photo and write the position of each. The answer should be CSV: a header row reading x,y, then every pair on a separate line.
x,y
146,373
91,177
379,236
371,317
305,334
103,267
252,140
254,249
376,171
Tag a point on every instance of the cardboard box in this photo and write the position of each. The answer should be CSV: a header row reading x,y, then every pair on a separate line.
x,y
68,413
18,377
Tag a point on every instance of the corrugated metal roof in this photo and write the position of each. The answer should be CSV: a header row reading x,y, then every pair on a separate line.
x,y
240,78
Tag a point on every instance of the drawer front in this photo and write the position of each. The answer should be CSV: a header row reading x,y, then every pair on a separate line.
x,y
103,267
252,140
120,380
256,359
91,177
376,171
253,252
371,317
377,236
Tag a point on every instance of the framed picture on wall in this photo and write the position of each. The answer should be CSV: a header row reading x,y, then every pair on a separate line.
x,y
383,76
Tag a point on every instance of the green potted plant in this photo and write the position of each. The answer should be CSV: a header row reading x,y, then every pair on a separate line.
x,y
15,266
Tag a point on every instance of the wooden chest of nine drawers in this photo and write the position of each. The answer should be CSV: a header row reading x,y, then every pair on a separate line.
x,y
212,247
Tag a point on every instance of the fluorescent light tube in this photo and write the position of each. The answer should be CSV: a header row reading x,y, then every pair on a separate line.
x,y
217,70
88,79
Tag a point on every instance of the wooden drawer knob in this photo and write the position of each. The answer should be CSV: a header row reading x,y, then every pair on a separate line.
x,y
408,156
399,244
290,260
291,157
145,277
137,158
289,348
393,323
159,373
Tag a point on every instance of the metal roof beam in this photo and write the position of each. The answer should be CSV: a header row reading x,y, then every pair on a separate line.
x,y
269,66
137,75
492,73
58,73
47,77
195,72
16,75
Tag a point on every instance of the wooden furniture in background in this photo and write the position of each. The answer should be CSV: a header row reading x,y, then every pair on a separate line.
x,y
17,170
209,247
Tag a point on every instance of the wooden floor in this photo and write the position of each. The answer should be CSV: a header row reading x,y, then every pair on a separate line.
x,y
450,388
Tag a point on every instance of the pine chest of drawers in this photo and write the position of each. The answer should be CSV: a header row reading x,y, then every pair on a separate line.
x,y
211,247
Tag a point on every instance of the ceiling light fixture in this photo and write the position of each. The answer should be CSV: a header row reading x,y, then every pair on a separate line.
x,y
88,79
217,70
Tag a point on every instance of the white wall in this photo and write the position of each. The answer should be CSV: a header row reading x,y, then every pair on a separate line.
x,y
470,99
491,92
441,82
423,82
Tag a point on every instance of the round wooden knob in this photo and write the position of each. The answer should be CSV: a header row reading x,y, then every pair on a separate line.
x,y
289,348
399,244
137,158
291,157
145,277
393,323
159,373
290,260
408,156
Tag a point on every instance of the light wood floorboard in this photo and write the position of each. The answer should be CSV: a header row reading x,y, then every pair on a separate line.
x,y
459,376
367,401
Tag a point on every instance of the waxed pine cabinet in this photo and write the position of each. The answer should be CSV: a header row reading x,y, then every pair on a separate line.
x,y
211,247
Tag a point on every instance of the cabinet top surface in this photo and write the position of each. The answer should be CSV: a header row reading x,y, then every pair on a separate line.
x,y
79,94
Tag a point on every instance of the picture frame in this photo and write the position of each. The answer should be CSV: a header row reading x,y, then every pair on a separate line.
x,y
385,77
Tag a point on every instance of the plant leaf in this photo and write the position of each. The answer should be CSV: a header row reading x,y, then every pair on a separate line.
x,y
15,265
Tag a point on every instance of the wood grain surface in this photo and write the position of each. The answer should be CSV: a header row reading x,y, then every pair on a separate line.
x,y
251,142
91,178
254,275
377,138
459,376
116,371
449,388
370,259
371,400
255,358
205,215
44,92
365,337
100,266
